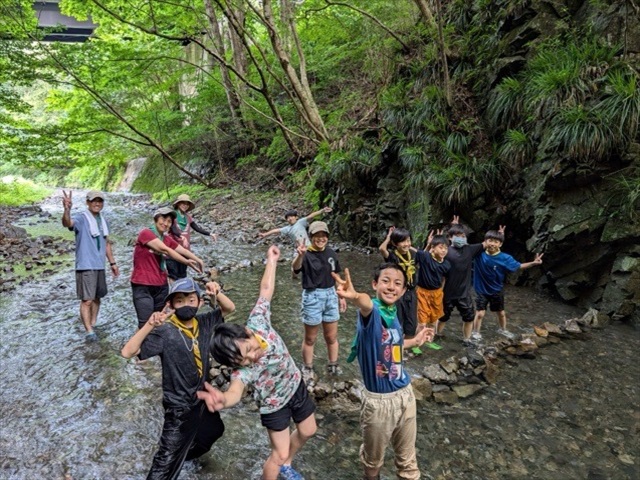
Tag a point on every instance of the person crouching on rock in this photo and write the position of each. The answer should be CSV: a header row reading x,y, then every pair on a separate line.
x,y
181,339
149,274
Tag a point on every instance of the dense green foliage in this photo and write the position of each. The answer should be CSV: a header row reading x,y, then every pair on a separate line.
x,y
16,191
318,92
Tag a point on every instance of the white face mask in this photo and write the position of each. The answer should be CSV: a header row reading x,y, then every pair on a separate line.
x,y
459,241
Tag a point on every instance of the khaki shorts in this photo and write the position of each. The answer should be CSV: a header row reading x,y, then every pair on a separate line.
x,y
430,305
91,284
390,419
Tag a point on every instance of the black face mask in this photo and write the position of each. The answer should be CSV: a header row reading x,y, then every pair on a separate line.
x,y
186,313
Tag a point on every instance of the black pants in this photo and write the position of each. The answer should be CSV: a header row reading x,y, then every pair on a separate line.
x,y
148,299
175,270
187,434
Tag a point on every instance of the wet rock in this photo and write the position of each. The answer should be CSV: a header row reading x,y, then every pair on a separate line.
x,y
422,388
475,358
322,390
552,328
450,365
571,326
436,374
447,396
464,391
540,331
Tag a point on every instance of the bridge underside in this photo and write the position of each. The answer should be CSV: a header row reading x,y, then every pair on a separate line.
x,y
59,27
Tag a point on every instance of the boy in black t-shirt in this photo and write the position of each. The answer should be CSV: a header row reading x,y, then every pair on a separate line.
x,y
181,339
320,303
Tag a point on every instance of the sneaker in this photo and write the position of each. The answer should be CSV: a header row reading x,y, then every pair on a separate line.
x,y
506,333
288,473
91,337
433,346
477,336
333,369
308,375
416,351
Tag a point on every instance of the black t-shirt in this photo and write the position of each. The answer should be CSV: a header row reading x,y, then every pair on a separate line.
x,y
180,380
317,267
393,258
459,280
430,271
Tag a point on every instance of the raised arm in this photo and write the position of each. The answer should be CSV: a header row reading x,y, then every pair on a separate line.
x,y
383,248
132,347
313,215
346,290
301,248
214,291
66,205
268,282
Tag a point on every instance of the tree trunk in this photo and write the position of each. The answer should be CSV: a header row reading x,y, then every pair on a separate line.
x,y
300,87
218,44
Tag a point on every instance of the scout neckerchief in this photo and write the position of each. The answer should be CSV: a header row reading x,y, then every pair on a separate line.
x,y
163,263
492,254
191,333
407,265
182,219
263,343
311,248
388,314
434,257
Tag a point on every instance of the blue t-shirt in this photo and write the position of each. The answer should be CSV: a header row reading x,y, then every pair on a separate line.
x,y
91,252
490,271
297,231
430,271
380,354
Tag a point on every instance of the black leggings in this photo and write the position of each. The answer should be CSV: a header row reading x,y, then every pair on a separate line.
x,y
187,434
148,299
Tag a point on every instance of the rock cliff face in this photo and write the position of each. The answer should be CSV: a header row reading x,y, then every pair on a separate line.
x,y
588,232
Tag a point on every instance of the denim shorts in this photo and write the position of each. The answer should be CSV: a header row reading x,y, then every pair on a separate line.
x,y
319,305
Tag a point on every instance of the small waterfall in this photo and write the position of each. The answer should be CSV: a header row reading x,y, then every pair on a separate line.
x,y
134,167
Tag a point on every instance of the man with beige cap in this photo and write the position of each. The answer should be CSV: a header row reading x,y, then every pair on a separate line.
x,y
92,248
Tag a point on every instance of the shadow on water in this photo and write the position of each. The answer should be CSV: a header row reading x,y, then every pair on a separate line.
x,y
76,409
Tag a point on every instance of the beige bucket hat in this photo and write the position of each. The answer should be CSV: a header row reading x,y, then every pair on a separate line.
x,y
184,198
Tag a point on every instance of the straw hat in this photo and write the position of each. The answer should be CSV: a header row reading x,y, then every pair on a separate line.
x,y
184,198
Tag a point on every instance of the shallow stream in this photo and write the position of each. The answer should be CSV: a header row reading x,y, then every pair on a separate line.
x,y
72,410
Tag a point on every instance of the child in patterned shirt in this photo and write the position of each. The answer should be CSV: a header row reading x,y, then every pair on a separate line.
x,y
261,359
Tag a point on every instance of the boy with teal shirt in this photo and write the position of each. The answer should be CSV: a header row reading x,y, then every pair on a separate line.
x,y
388,411
490,270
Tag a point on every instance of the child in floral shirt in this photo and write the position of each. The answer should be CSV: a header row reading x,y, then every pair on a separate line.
x,y
261,359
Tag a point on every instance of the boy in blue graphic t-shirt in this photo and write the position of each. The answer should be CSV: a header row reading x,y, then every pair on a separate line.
x,y
490,270
388,411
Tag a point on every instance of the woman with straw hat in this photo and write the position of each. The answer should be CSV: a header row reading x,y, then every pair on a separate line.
x,y
181,232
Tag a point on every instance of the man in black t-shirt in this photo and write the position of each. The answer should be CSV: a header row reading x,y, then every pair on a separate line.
x,y
181,338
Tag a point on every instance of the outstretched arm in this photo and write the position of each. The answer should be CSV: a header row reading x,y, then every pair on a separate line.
x,y
268,283
313,215
383,248
270,232
217,400
346,290
536,261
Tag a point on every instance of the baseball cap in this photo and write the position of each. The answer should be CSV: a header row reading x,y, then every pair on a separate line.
x,y
93,194
318,226
183,285
164,211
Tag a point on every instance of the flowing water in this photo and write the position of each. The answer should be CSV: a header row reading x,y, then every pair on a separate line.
x,y
72,410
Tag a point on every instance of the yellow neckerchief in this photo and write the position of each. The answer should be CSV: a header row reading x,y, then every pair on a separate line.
x,y
492,254
263,343
407,265
434,257
311,248
191,333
